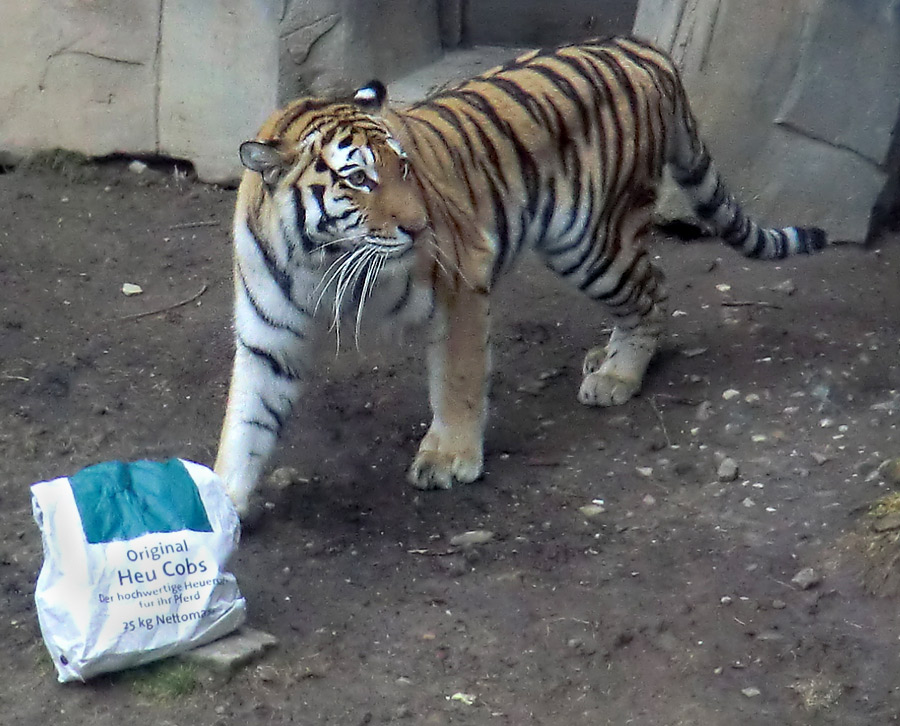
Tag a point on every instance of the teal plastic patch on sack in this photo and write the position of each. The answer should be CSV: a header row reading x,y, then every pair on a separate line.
x,y
118,501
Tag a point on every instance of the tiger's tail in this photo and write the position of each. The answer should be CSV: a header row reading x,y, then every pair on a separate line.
x,y
693,169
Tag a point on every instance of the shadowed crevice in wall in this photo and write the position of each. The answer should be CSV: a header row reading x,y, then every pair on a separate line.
x,y
886,212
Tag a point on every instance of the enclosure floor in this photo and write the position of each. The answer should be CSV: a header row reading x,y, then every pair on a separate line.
x,y
671,605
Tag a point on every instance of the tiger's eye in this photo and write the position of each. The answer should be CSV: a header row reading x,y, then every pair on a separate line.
x,y
358,178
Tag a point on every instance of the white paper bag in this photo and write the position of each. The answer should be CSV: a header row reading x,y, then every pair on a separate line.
x,y
134,558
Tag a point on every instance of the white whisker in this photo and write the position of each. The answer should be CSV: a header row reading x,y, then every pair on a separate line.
x,y
326,281
361,302
371,274
349,272
450,261
442,266
343,263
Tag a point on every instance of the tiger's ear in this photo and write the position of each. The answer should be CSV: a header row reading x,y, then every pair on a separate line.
x,y
264,159
371,97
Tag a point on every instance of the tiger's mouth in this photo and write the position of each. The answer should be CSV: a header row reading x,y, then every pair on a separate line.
x,y
390,248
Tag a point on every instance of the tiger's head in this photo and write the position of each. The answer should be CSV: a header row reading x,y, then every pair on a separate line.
x,y
337,179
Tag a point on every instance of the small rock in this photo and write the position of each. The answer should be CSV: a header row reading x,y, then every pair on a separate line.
x,y
890,470
771,636
820,458
267,673
887,523
730,393
649,500
532,388
137,167
726,600
644,470
286,476
131,289
890,406
728,470
723,287
693,352
751,692
535,387
748,502
806,578
592,510
779,604
752,398
656,440
704,411
788,287
867,466
467,698
472,538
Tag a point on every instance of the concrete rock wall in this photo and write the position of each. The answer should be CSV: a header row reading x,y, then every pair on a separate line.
x,y
188,79
79,76
796,100
334,46
218,76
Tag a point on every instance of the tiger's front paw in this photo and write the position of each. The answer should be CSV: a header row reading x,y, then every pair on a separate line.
x,y
604,389
438,464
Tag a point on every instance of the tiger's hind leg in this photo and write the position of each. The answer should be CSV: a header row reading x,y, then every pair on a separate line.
x,y
622,277
615,372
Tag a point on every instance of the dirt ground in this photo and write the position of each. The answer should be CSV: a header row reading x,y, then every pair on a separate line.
x,y
673,605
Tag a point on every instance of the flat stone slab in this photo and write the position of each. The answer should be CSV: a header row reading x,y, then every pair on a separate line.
x,y
455,66
232,652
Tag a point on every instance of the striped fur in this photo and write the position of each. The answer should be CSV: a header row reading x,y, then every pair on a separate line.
x,y
411,215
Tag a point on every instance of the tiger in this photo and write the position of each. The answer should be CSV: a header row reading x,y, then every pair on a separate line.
x,y
413,214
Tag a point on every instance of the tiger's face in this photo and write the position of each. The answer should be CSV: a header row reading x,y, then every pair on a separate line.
x,y
342,188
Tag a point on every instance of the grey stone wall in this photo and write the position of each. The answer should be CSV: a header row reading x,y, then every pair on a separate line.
x,y
538,23
188,79
334,46
180,78
80,77
796,100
